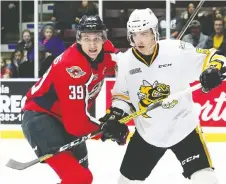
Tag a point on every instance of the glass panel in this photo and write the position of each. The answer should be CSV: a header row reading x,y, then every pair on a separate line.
x,y
201,30
116,14
58,21
17,49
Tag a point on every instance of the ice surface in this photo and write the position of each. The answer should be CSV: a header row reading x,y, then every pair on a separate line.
x,y
105,159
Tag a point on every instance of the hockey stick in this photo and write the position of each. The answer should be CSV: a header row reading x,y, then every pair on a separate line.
x,y
159,103
190,19
21,166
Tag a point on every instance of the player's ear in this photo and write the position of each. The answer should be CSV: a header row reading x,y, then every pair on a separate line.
x,y
153,35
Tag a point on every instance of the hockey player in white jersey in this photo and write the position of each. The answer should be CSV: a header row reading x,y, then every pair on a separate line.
x,y
148,72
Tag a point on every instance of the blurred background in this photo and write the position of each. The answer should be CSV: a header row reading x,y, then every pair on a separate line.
x,y
33,33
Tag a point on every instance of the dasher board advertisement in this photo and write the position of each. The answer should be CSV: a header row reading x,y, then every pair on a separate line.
x,y
12,99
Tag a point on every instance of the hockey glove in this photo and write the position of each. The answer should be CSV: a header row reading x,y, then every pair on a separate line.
x,y
112,128
212,76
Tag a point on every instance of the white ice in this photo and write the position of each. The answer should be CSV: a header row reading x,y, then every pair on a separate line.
x,y
105,159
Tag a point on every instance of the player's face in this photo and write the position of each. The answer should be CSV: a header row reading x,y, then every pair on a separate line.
x,y
48,33
91,44
144,40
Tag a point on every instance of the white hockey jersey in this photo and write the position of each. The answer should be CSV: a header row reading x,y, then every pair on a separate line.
x,y
175,66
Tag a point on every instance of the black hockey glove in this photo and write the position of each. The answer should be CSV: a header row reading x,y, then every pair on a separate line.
x,y
112,128
211,78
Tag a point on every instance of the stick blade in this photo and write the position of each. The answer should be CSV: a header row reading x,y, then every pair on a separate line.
x,y
13,164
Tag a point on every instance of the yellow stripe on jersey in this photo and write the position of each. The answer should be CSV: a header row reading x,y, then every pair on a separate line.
x,y
202,138
138,55
217,61
208,58
218,57
154,55
120,97
156,50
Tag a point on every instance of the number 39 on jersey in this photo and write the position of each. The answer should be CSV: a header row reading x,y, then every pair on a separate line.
x,y
76,92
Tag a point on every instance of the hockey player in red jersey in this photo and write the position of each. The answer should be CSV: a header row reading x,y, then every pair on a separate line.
x,y
56,109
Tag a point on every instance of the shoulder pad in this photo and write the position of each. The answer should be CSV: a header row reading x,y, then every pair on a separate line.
x,y
109,47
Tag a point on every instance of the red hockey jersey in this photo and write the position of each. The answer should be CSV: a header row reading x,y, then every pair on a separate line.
x,y
68,89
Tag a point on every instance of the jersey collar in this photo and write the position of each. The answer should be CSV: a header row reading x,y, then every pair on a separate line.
x,y
147,60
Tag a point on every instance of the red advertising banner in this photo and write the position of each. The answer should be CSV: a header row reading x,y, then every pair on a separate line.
x,y
213,104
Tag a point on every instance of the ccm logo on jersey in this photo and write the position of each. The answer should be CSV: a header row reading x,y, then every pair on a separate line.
x,y
75,72
165,65
189,159
134,71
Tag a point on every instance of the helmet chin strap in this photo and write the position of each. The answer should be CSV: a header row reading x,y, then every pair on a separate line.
x,y
147,52
151,47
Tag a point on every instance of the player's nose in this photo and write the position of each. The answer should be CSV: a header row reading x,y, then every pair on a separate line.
x,y
92,44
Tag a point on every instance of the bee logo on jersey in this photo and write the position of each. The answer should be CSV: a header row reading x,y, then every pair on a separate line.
x,y
152,93
75,72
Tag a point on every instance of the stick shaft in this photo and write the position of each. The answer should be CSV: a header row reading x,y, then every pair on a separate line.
x,y
190,19
20,166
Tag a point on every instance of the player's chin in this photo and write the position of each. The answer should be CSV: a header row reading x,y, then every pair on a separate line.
x,y
93,53
142,49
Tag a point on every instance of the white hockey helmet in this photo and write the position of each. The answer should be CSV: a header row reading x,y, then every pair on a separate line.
x,y
141,20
